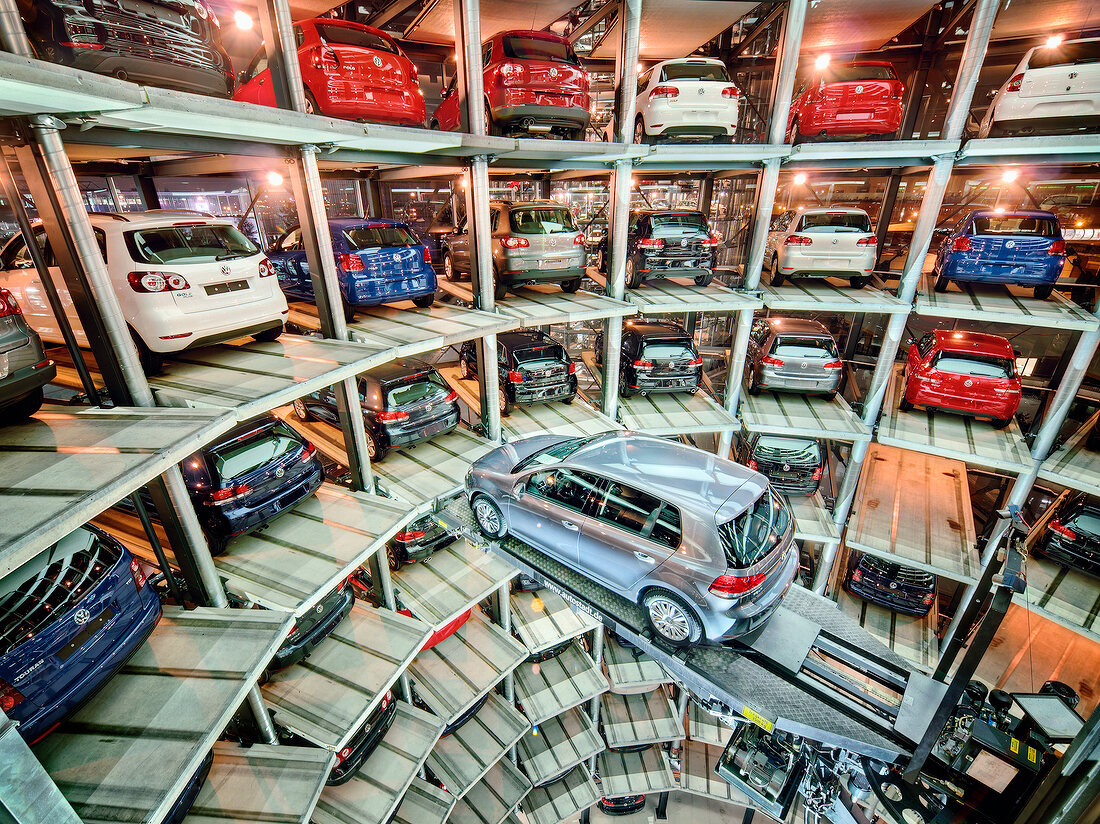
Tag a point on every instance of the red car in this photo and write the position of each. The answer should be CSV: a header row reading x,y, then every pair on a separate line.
x,y
534,84
968,372
847,99
349,71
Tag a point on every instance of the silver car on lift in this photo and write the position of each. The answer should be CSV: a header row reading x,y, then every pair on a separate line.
x,y
702,544
792,355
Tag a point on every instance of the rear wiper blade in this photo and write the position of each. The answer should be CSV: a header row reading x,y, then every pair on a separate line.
x,y
233,256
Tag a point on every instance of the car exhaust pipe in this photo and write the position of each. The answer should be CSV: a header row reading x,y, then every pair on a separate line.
x,y
121,74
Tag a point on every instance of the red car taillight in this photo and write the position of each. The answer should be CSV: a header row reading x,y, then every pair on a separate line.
x,y
10,697
137,573
8,304
1058,247
961,244
511,242
752,464
929,598
734,586
351,263
578,240
772,361
866,241
798,240
513,73
427,254
1063,530
897,90
857,576
834,365
157,282
664,93
452,396
229,493
643,364
817,473
409,536
711,240
1015,83
572,368
342,756
650,243
696,361
308,452
514,376
731,91
392,416
266,268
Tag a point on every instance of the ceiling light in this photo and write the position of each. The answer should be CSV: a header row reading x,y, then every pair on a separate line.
x,y
799,179
242,20
1054,41
1009,176
274,179
822,61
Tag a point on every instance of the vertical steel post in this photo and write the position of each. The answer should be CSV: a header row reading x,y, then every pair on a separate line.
x,y
970,66
594,704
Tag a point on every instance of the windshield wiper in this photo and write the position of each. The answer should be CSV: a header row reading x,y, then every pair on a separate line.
x,y
233,256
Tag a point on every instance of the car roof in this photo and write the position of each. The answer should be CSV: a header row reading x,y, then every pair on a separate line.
x,y
155,217
1013,213
712,60
835,211
649,328
686,477
979,343
525,203
523,337
799,326
347,24
667,212
400,368
540,35
348,222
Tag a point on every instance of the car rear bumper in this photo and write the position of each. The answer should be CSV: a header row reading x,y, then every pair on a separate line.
x,y
799,263
1047,112
729,619
643,383
894,600
238,522
1073,556
698,264
20,383
387,110
786,383
294,651
982,406
792,485
371,292
518,277
361,750
165,328
540,394
1027,272
572,117
876,118
155,72
441,426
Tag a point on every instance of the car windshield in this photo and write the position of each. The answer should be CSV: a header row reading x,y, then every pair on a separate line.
x,y
544,220
348,36
535,48
1087,521
848,74
1066,54
188,243
1015,225
414,389
694,71
539,356
240,457
359,238
688,220
977,366
553,454
792,347
753,534
667,349
835,222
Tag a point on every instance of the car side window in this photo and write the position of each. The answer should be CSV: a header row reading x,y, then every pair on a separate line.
x,y
495,219
759,332
299,36
643,81
925,344
629,508
101,242
568,487
292,242
666,527
16,255
486,55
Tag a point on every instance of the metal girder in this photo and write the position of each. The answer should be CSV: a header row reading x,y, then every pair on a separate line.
x,y
758,29
380,18
602,13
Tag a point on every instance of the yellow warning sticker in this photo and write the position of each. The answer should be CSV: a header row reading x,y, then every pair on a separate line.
x,y
1032,753
757,719
1015,746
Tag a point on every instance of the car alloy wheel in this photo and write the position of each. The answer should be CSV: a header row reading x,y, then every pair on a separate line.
x,y
669,619
392,558
300,410
488,517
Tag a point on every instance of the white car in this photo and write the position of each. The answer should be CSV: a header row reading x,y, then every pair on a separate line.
x,y
688,98
821,243
1054,89
183,280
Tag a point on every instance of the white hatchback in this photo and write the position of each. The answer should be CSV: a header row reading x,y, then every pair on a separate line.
x,y
690,98
1054,89
821,243
183,280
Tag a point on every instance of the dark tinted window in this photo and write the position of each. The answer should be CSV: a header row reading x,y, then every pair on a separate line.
x,y
688,220
535,48
370,237
1087,520
1015,225
667,349
845,74
1067,54
978,366
753,534
543,220
854,222
553,454
666,530
795,347
568,487
633,510
346,36
414,390
242,456
539,356
925,344
178,245
694,71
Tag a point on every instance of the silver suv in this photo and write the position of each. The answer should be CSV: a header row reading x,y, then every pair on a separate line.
x,y
702,544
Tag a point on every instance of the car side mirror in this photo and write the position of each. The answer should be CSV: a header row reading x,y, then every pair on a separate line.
x,y
242,77
909,342
519,489
943,230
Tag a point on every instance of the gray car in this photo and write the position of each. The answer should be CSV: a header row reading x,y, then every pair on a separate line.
x,y
534,242
792,355
24,368
702,544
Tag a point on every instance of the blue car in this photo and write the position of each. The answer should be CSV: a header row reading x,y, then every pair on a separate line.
x,y
1024,248
69,619
378,261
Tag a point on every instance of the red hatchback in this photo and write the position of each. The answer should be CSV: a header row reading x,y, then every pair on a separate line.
x,y
534,84
349,71
847,99
968,372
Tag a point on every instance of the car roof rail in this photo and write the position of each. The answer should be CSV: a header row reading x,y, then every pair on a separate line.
x,y
112,215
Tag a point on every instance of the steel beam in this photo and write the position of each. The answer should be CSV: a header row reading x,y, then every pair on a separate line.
x,y
793,23
970,66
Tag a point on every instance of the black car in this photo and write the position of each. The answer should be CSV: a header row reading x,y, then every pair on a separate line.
x,y
186,799
892,585
533,368
793,466
176,45
404,402
311,628
1073,535
417,541
656,356
665,243
623,805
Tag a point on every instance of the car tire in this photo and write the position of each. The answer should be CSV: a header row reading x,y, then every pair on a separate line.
x,y
671,619
576,134
433,125
754,386
464,369
859,282
624,390
301,411
569,400
1044,291
796,138
349,311
217,543
634,278
269,335
776,277
941,282
829,396
723,138
905,405
491,128
500,288
571,286
424,301
704,280
151,362
449,271
506,405
489,518
394,557
374,453
311,103
601,263
1001,423
639,131
22,408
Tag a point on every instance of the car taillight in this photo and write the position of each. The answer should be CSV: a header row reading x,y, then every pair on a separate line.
x,y
733,586
798,240
771,361
696,361
731,91
897,90
752,464
929,598
512,242
308,451
157,282
409,536
451,397
387,416
650,243
834,365
1058,247
73,44
643,364
578,240
8,304
817,474
137,573
961,244
342,756
514,376
513,73
351,263
229,493
10,697
866,241
266,268
427,254
664,93
711,240
1015,83
1063,530
857,576
572,368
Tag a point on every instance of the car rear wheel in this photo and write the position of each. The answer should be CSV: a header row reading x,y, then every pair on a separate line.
x,y
22,408
905,405
671,619
571,285
1001,423
349,310
1043,292
491,128
216,543
941,283
506,405
776,276
464,369
601,263
449,268
489,518
424,301
300,410
754,384
311,104
500,288
830,396
795,137
569,400
624,390
151,362
634,278
269,335
859,282
394,557
703,280
373,452
639,131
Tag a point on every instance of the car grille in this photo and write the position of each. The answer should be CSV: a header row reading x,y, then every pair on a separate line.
x,y
904,576
54,591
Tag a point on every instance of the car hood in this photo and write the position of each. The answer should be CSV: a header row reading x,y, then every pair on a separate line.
x,y
503,458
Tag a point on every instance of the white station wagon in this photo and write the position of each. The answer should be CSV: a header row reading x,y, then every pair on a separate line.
x,y
183,280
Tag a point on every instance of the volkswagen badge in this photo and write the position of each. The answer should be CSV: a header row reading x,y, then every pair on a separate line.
x,y
859,90
82,616
378,61
226,269
968,383
1010,244
280,472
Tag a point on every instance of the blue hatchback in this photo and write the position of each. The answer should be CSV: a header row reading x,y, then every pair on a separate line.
x,y
1022,247
377,261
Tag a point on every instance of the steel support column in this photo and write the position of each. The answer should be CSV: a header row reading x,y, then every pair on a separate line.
x,y
793,23
594,704
970,66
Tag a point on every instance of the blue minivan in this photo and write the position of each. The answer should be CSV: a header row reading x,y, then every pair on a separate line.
x,y
1021,247
69,619
377,261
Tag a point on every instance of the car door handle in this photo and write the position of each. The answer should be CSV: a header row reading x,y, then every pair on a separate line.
x,y
641,556
570,526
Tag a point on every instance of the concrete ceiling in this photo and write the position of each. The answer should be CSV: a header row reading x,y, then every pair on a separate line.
x,y
438,25
1018,18
842,27
675,28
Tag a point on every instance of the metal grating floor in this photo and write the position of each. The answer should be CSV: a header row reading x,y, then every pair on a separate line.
x,y
563,799
424,803
1000,304
492,799
628,773
1073,465
630,670
808,416
825,295
642,718
543,619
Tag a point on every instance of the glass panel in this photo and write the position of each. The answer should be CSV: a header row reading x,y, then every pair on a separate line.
x,y
694,71
539,356
673,348
563,486
1015,225
975,365
754,533
239,458
406,393
627,508
688,220
846,74
371,237
553,454
535,48
667,529
804,347
348,36
840,220
1067,54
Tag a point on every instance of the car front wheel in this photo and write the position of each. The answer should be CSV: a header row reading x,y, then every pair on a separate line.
x,y
1043,292
490,520
449,268
671,619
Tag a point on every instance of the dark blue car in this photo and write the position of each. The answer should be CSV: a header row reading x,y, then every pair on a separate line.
x,y
1022,247
69,619
378,261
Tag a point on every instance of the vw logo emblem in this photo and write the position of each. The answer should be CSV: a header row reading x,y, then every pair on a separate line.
x,y
859,90
968,383
319,608
397,256
834,241
553,72
200,10
1009,244
804,364
280,472
893,585
428,408
378,61
786,467
702,91
226,269
1072,75
82,616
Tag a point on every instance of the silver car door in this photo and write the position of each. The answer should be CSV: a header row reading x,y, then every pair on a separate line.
x,y
548,508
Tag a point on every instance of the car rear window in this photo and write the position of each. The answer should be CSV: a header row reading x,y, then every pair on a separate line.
x,y
846,74
753,534
667,349
1015,225
793,449
359,238
1087,522
187,244
793,347
413,390
539,356
238,458
348,36
978,366
1067,54
694,71
688,220
545,220
535,48
840,221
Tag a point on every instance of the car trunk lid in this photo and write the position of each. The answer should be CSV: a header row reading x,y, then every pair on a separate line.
x,y
360,65
1069,69
669,357
804,356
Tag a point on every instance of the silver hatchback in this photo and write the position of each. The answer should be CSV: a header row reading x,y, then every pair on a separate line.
x,y
24,369
702,544
792,355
